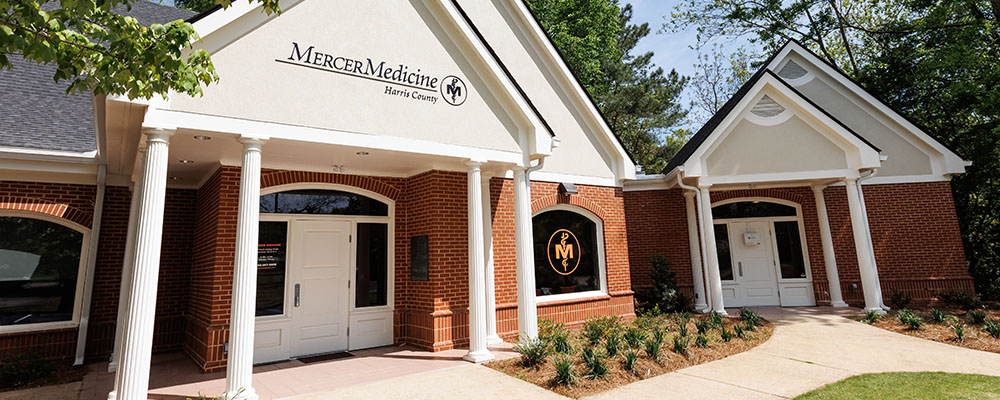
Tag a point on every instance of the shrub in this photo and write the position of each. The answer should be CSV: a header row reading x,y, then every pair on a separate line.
x,y
596,329
960,299
634,337
725,334
652,347
701,341
716,318
612,344
900,300
910,319
703,326
554,336
680,345
993,328
751,316
871,316
978,317
594,361
533,351
937,316
630,357
564,372
17,370
740,333
663,293
959,329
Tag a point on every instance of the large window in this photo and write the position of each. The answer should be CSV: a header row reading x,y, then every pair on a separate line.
x,y
39,268
567,253
314,201
373,266
272,248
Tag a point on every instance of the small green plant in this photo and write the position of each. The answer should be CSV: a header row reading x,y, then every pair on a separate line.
x,y
564,372
592,333
725,334
993,328
652,347
681,345
701,341
554,336
910,319
682,328
594,361
533,351
630,357
658,335
703,326
747,314
612,344
937,316
716,318
959,328
740,333
960,299
871,316
978,317
634,337
18,370
596,329
900,300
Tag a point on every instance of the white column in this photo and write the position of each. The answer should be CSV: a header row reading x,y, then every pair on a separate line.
x,y
868,231
132,376
869,282
239,366
125,288
829,258
491,297
477,268
714,278
527,314
694,244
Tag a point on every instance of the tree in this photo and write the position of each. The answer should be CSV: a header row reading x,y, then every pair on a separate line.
x,y
98,49
717,77
195,5
638,100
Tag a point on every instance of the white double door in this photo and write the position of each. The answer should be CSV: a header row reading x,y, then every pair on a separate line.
x,y
754,264
316,308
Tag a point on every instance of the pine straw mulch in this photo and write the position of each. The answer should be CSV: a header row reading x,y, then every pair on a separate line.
x,y
62,374
644,368
975,336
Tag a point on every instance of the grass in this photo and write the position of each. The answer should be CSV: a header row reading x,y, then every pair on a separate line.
x,y
911,386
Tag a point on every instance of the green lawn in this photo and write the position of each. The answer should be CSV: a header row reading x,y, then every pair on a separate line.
x,y
910,385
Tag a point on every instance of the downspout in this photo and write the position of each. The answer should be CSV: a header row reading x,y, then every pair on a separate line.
x,y
88,286
701,238
868,235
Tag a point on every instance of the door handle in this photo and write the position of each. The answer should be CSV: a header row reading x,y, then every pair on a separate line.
x,y
296,294
740,264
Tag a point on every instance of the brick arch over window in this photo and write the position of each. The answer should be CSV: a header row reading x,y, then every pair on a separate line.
x,y
269,179
576,200
58,210
783,194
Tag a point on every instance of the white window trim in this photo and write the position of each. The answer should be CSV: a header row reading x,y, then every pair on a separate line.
x,y
602,264
81,275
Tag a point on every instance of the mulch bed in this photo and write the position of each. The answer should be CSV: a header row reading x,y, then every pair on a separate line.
x,y
645,367
62,374
975,336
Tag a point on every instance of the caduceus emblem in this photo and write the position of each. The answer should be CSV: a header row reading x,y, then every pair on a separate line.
x,y
564,246
569,249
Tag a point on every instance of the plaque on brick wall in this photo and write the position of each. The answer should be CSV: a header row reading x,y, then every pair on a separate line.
x,y
418,258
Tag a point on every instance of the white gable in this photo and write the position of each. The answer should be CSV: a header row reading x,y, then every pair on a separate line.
x,y
912,155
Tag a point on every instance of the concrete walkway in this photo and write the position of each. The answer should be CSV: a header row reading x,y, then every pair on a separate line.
x,y
810,347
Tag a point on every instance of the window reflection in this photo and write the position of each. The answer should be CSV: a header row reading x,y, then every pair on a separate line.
x,y
793,265
373,268
752,209
272,245
39,264
321,202
725,255
579,251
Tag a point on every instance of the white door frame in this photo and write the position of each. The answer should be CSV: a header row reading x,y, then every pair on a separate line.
x,y
791,291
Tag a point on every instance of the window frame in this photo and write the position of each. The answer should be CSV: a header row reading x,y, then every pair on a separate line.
x,y
601,261
81,276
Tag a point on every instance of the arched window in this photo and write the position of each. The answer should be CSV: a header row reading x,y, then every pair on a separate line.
x,y
314,201
40,265
569,251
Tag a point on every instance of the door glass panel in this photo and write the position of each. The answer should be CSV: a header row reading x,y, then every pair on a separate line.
x,y
271,249
725,255
373,269
39,263
793,265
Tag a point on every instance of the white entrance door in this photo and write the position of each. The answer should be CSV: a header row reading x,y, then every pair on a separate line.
x,y
753,259
321,265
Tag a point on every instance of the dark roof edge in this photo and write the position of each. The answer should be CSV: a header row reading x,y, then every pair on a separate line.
x,y
866,91
203,14
577,79
503,67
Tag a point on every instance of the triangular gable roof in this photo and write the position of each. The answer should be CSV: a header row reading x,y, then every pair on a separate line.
x,y
736,105
767,68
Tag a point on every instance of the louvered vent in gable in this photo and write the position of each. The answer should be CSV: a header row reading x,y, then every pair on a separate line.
x,y
792,71
767,107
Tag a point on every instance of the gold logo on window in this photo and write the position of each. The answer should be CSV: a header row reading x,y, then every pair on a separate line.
x,y
565,248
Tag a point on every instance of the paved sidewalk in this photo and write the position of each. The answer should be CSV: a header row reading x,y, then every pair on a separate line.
x,y
810,347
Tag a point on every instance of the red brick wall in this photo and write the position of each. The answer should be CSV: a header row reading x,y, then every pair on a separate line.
x,y
75,202
900,216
